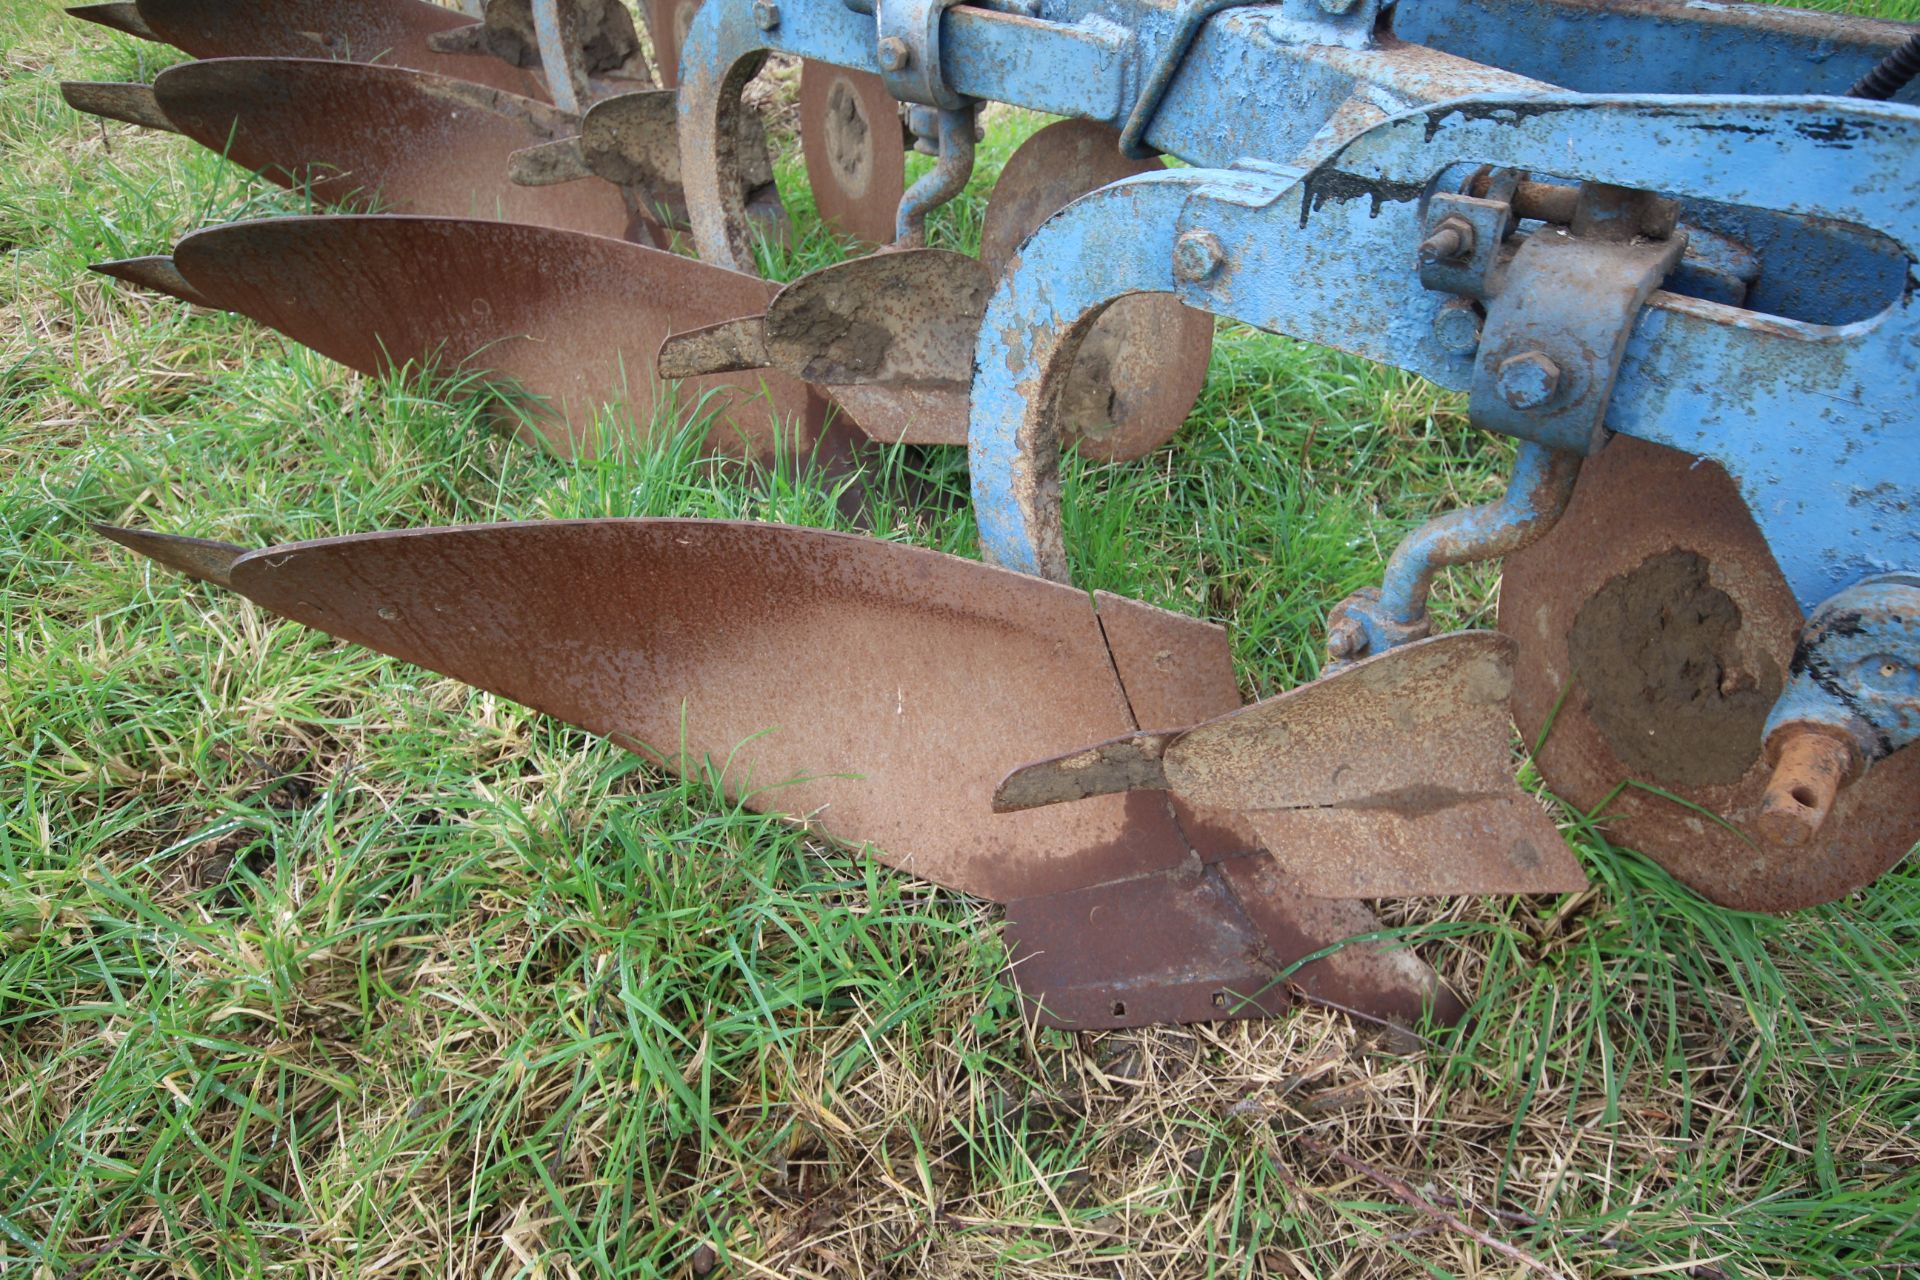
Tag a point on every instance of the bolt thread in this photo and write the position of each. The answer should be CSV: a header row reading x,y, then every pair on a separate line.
x,y
1891,74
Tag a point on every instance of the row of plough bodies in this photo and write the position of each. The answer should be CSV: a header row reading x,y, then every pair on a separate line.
x,y
1668,248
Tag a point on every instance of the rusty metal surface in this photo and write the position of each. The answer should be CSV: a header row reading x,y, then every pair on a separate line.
x,y
572,320
855,150
1392,778
201,558
1381,978
1656,609
1140,369
114,100
1174,947
901,318
394,32
924,677
158,274
667,22
122,16
1422,844
632,140
1809,768
889,337
407,140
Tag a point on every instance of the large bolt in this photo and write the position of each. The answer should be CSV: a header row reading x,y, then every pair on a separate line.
x,y
1197,256
894,54
1456,326
766,14
1528,380
1450,241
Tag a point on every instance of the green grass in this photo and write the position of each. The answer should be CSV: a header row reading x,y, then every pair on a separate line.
x,y
313,963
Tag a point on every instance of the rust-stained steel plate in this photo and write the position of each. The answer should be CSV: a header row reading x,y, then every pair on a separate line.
x,y
667,23
571,320
394,32
1143,365
1382,978
410,141
908,317
890,336
876,690
1655,608
1174,947
923,676
1392,778
855,151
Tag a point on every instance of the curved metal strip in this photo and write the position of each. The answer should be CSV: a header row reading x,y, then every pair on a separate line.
x,y
571,321
1144,363
1106,245
411,141
393,32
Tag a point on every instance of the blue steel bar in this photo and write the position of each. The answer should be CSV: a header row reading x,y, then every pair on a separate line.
x,y
1297,255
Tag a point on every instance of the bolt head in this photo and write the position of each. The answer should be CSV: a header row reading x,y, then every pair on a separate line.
x,y
766,14
894,54
1346,638
1197,256
1528,380
1456,327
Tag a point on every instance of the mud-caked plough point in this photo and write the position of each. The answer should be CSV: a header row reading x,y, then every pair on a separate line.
x,y
1667,249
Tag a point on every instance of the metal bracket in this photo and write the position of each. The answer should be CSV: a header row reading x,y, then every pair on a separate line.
x,y
1560,312
908,52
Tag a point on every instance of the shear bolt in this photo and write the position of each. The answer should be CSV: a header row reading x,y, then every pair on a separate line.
x,y
1197,256
766,14
894,54
1528,380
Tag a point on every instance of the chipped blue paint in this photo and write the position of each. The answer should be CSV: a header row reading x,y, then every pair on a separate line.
x,y
1799,413
1857,668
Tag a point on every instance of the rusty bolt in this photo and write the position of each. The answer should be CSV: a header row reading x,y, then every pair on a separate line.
x,y
1451,240
894,54
766,14
1197,256
1346,638
1528,380
1456,326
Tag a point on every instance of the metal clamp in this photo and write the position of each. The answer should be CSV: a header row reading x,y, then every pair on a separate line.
x,y
1560,311
908,51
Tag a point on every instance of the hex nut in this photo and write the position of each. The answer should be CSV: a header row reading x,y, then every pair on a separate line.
x,y
894,54
1528,380
766,14
1198,256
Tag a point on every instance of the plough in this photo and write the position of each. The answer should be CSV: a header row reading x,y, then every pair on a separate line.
x,y
1670,249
